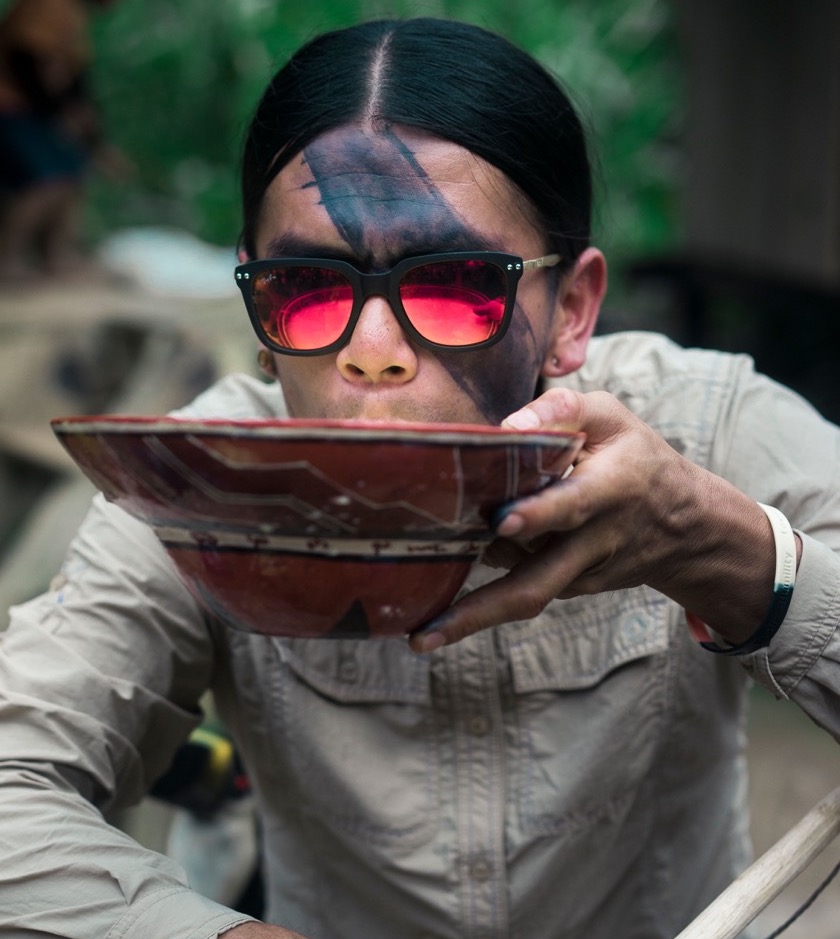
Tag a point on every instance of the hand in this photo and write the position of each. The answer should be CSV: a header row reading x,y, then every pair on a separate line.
x,y
633,511
260,931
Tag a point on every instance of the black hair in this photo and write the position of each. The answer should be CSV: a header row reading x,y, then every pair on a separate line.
x,y
459,82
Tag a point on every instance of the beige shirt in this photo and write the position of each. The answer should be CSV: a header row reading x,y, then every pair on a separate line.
x,y
578,775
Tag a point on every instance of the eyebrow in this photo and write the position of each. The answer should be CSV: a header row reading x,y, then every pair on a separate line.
x,y
461,239
293,246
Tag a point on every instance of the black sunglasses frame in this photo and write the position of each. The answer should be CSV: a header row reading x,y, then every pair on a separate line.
x,y
385,284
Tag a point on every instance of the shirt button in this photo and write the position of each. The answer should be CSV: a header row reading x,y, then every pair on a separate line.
x,y
478,725
348,671
481,870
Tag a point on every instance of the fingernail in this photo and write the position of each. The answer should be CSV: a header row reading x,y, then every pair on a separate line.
x,y
431,641
429,637
524,419
498,515
510,526
505,521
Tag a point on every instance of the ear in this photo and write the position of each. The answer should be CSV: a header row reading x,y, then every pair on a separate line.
x,y
266,363
242,256
578,303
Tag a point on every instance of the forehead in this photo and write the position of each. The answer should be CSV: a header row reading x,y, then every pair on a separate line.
x,y
381,194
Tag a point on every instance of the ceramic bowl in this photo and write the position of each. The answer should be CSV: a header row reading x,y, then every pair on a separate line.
x,y
316,528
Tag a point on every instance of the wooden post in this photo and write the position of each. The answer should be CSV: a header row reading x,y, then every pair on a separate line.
x,y
750,893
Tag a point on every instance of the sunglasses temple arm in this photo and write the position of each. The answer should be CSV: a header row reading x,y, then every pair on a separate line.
x,y
548,260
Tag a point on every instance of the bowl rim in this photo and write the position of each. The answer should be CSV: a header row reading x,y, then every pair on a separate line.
x,y
314,429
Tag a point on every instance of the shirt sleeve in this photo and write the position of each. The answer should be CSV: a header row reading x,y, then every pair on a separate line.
x,y
100,680
779,450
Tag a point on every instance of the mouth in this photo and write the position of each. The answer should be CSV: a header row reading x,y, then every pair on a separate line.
x,y
392,415
400,412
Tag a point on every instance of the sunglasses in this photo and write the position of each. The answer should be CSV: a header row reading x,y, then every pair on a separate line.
x,y
310,306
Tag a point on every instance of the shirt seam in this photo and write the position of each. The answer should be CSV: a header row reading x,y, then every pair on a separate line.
x,y
209,929
810,655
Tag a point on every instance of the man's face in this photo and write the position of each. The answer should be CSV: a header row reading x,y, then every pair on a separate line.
x,y
373,198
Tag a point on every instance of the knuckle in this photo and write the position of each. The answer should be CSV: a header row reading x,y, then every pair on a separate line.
x,y
580,508
562,404
607,401
460,631
557,395
502,553
465,619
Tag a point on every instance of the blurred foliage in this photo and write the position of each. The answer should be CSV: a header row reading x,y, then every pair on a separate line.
x,y
177,83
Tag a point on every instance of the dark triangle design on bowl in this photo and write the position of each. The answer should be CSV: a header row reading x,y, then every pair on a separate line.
x,y
353,625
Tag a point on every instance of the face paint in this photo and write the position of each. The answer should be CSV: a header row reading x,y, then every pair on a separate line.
x,y
495,384
374,198
381,201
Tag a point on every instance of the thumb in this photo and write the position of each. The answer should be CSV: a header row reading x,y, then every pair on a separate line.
x,y
598,414
558,409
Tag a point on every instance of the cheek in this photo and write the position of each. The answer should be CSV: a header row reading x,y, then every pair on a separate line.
x,y
503,378
299,388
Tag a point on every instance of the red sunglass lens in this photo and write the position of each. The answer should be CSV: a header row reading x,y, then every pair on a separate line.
x,y
302,308
455,303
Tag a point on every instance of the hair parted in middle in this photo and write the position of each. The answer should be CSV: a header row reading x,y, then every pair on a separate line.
x,y
456,81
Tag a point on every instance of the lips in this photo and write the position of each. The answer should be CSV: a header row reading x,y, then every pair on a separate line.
x,y
395,406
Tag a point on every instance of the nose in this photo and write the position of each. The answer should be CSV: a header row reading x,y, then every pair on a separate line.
x,y
379,352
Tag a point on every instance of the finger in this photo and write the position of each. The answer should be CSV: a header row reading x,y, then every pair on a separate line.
x,y
502,553
521,594
598,414
557,407
593,487
564,506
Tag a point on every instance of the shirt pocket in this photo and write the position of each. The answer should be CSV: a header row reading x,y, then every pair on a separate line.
x,y
361,743
589,689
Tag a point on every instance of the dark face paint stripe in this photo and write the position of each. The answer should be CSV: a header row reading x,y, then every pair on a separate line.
x,y
385,207
372,184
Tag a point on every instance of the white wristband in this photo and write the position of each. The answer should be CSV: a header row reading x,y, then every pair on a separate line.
x,y
785,551
783,583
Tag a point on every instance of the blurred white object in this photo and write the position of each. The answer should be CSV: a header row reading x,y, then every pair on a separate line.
x,y
219,854
169,262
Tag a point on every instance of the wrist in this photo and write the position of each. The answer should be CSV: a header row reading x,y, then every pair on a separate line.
x,y
788,551
719,561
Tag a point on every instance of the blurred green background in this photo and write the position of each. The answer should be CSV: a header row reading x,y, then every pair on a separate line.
x,y
177,83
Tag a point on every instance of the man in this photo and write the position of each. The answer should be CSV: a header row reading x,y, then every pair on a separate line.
x,y
564,759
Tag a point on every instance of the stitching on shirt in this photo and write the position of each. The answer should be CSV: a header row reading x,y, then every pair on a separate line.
x,y
713,374
813,654
759,668
642,650
411,688
389,833
220,920
660,872
610,807
605,616
141,908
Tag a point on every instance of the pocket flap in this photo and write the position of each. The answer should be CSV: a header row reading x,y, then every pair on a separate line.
x,y
359,671
575,643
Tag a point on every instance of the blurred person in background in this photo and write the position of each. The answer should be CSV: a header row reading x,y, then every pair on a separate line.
x,y
565,757
50,133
